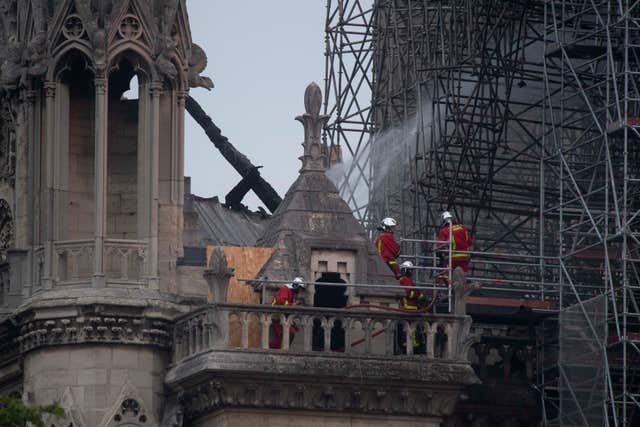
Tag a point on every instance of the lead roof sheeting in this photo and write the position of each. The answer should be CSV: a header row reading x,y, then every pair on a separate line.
x,y
221,226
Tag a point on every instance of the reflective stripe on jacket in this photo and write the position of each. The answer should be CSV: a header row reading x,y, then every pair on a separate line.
x,y
387,247
412,296
460,241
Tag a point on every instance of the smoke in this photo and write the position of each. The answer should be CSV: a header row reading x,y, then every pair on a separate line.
x,y
383,164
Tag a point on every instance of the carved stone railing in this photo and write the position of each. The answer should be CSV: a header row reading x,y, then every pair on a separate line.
x,y
348,332
126,261
73,261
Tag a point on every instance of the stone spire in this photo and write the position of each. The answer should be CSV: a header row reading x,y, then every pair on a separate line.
x,y
315,157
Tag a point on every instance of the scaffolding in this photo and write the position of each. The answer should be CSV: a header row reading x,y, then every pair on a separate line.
x,y
523,117
592,106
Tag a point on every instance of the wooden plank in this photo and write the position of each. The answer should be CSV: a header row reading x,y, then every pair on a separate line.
x,y
247,262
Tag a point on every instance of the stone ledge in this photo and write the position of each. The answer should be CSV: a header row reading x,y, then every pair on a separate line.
x,y
337,366
129,297
262,379
93,323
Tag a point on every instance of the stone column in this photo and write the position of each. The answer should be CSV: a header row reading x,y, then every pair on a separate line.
x,y
47,202
100,180
21,184
33,172
154,164
18,260
180,175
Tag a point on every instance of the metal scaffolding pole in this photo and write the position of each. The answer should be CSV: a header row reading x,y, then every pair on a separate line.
x,y
592,82
523,117
348,83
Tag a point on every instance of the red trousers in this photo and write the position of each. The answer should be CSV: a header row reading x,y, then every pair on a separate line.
x,y
278,334
393,265
462,263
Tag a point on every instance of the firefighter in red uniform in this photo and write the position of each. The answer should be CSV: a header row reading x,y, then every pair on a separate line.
x,y
413,298
460,239
387,246
286,297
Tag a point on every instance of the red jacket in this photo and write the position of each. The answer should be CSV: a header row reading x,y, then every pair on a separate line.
x,y
387,246
460,242
283,297
412,297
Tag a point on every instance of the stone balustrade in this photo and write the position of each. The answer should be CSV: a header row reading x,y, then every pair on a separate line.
x,y
125,261
73,261
336,331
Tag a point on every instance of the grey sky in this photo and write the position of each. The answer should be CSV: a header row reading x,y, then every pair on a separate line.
x,y
262,55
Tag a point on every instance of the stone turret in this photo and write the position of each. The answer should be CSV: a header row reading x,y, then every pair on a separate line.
x,y
313,230
91,199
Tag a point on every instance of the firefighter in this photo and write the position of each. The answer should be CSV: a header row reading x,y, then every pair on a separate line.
x,y
414,298
286,297
460,239
387,246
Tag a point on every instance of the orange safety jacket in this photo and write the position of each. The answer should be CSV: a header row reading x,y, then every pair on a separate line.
x,y
460,241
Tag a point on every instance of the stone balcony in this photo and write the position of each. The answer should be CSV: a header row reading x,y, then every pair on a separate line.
x,y
341,361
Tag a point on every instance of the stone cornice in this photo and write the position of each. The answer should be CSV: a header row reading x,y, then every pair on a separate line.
x,y
98,328
166,305
217,394
263,379
78,316
102,319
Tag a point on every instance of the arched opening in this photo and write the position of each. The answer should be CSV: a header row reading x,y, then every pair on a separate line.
x,y
123,152
329,296
76,149
133,93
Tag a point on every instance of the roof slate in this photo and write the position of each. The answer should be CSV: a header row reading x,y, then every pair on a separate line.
x,y
209,222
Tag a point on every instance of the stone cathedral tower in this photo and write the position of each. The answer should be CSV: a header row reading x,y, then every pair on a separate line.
x,y
91,195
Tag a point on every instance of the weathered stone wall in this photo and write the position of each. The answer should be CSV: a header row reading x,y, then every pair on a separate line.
x,y
122,169
242,418
81,192
96,375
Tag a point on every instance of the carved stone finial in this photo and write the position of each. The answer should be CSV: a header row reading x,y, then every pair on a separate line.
x,y
315,157
218,275
197,64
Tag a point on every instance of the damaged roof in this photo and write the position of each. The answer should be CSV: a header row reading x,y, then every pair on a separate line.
x,y
209,222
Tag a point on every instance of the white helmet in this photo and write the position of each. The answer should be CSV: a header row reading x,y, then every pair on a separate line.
x,y
446,216
296,284
406,267
387,223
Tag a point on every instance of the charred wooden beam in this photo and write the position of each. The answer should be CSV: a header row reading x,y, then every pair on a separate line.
x,y
239,161
237,193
